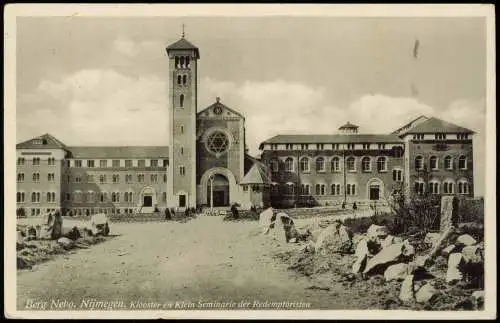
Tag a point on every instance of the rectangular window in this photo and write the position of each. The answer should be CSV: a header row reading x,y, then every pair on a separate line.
x,y
128,163
20,177
116,163
78,163
90,163
140,178
165,162
320,146
141,163
335,146
289,146
350,146
154,162
103,163
366,146
154,178
182,170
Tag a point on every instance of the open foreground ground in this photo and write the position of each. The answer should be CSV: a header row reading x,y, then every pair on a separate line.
x,y
182,265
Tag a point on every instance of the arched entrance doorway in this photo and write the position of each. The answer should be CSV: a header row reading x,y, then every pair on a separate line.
x,y
218,190
375,189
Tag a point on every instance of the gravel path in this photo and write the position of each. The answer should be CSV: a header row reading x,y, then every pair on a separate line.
x,y
180,266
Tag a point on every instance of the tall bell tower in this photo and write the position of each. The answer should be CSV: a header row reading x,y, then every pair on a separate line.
x,y
183,92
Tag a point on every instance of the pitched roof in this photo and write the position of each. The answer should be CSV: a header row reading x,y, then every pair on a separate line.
x,y
256,175
333,139
45,141
435,125
119,152
183,44
217,103
348,125
410,124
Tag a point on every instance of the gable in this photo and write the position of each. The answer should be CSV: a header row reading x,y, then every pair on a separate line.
x,y
45,141
219,111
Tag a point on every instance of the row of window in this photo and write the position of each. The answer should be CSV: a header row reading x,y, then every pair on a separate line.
x,y
305,164
398,151
36,161
103,163
448,187
441,136
51,177
434,162
86,211
182,79
319,189
36,197
182,61
115,178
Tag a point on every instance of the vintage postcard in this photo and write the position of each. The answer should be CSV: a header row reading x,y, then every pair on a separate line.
x,y
250,161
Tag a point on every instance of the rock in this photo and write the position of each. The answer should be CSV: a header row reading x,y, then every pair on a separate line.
x,y
30,233
466,240
357,238
478,298
377,231
360,264
388,256
73,234
454,273
293,240
362,249
266,218
387,241
22,263
308,247
99,224
426,293
397,240
335,238
66,243
407,292
448,250
396,272
408,249
432,238
473,254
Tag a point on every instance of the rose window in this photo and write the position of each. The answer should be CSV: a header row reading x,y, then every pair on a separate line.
x,y
218,142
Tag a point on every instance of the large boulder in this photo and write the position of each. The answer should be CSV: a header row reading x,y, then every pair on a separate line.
x,y
478,298
473,254
396,272
432,238
362,249
360,264
387,241
448,250
99,224
425,294
377,231
66,243
407,292
455,264
335,238
466,240
266,220
395,253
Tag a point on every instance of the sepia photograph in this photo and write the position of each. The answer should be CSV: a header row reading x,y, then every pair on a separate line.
x,y
250,161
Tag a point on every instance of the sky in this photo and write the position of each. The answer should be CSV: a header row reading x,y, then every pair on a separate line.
x,y
103,81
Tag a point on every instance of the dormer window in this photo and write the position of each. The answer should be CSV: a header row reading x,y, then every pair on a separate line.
x,y
440,136
37,141
462,136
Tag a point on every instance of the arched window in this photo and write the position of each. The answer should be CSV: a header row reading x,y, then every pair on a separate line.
x,y
164,178
350,163
433,163
304,189
434,187
382,164
188,63
320,164
304,164
419,162
49,197
273,163
397,175
419,187
289,189
289,164
462,162
164,196
448,187
351,189
448,162
181,100
182,61
318,189
366,164
335,164
335,189
463,187
179,78
176,61
184,79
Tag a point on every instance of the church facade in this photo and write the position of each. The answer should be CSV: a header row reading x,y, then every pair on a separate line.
x,y
206,162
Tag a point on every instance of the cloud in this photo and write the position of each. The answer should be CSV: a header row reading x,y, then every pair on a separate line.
x,y
106,107
98,107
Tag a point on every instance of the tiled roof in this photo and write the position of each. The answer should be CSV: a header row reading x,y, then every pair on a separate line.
x,y
184,44
410,124
256,175
333,139
435,125
119,152
348,125
45,141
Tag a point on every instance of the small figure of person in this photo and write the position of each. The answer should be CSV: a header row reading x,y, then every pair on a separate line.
x,y
354,206
234,211
172,212
343,205
168,216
